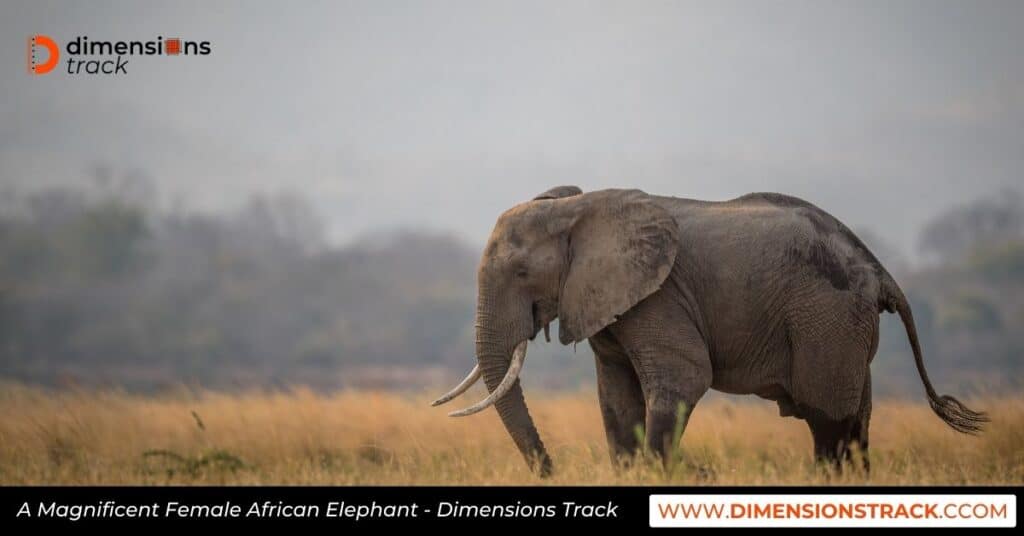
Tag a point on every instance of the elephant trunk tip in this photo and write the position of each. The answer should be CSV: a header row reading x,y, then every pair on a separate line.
x,y
545,469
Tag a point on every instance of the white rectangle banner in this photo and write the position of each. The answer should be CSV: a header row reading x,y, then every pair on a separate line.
x,y
833,510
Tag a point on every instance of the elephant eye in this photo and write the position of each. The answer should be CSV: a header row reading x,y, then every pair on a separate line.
x,y
521,273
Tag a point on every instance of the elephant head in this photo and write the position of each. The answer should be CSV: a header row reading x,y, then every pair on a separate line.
x,y
581,258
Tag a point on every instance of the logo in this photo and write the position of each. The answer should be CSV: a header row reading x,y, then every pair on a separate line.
x,y
40,46
87,56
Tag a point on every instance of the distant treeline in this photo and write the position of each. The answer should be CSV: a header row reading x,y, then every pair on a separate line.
x,y
98,287
968,302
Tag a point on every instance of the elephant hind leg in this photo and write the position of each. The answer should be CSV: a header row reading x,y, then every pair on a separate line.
x,y
859,433
842,440
830,381
831,438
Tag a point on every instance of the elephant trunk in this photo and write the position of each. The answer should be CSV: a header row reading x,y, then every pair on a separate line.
x,y
495,343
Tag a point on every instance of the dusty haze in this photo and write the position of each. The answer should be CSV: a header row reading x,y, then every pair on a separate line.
x,y
443,114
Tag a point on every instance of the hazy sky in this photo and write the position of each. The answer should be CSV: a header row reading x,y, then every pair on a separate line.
x,y
442,114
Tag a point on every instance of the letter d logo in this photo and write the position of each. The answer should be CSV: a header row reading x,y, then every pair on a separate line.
x,y
36,45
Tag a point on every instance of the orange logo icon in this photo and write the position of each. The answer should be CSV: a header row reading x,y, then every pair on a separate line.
x,y
36,45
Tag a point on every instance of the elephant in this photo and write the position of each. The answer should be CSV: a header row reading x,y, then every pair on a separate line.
x,y
764,294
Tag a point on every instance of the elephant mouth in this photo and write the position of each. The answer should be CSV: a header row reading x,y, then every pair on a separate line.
x,y
539,321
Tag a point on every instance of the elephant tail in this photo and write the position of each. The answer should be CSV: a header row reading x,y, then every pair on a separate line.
x,y
953,412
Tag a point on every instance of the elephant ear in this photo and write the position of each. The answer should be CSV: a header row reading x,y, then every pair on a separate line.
x,y
621,247
559,192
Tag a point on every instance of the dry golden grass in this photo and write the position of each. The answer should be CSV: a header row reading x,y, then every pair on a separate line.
x,y
301,437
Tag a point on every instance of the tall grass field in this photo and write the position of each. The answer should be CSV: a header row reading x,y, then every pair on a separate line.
x,y
301,437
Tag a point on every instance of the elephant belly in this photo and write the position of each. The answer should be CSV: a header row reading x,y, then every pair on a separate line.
x,y
739,385
766,375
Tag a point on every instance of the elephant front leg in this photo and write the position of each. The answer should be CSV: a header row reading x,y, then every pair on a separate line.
x,y
672,363
668,411
622,400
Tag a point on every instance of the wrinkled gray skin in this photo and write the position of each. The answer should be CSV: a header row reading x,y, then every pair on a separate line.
x,y
765,294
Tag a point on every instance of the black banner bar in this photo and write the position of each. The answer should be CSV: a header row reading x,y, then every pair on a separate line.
x,y
374,507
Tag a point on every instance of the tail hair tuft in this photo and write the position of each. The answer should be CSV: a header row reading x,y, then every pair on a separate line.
x,y
958,416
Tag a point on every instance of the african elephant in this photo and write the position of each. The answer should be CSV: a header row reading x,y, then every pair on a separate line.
x,y
765,294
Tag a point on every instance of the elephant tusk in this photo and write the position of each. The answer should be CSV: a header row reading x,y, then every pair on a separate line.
x,y
465,384
518,356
